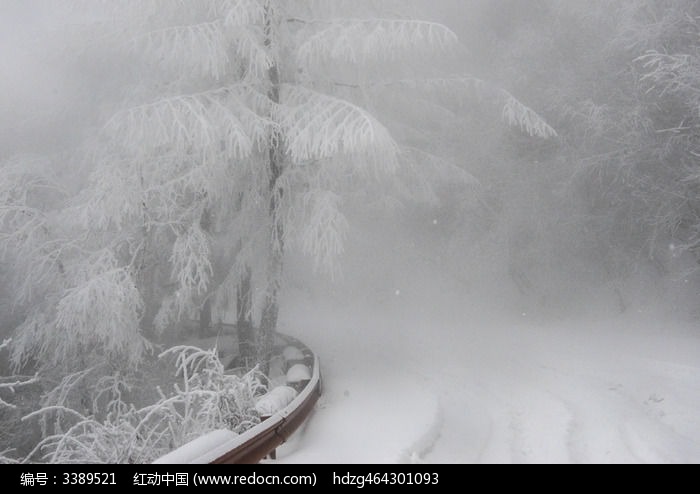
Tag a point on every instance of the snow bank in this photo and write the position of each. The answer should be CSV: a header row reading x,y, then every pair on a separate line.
x,y
275,400
199,450
298,373
292,353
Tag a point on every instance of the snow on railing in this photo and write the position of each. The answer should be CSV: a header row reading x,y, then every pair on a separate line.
x,y
225,447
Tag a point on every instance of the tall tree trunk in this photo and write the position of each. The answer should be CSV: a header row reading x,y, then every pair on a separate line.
x,y
205,318
270,311
244,324
205,223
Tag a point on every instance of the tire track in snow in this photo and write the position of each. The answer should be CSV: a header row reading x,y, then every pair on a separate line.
x,y
466,426
425,444
508,393
562,414
621,420
499,419
596,407
540,426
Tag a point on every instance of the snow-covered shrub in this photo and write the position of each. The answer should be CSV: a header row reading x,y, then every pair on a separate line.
x,y
8,387
205,399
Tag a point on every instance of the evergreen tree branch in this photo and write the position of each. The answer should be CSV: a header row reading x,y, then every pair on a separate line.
x,y
318,126
360,41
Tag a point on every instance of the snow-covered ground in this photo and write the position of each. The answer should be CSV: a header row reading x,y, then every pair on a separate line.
x,y
618,390
431,377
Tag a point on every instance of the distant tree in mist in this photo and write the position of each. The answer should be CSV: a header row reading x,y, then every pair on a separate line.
x,y
618,80
247,125
639,165
670,77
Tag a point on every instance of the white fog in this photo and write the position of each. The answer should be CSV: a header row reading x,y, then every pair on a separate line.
x,y
482,217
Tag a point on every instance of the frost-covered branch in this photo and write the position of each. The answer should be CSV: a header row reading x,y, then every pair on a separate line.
x,y
319,126
514,112
203,48
359,41
190,124
518,115
323,229
671,73
10,384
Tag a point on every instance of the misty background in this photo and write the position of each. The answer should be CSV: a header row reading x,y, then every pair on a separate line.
x,y
548,210
600,221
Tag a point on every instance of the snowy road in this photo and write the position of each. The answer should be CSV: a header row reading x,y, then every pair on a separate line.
x,y
595,403
419,366
404,388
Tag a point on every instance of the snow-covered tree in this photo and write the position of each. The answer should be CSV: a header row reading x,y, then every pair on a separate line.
x,y
670,73
618,82
247,124
634,131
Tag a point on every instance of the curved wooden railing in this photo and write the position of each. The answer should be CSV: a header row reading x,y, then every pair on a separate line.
x,y
225,447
